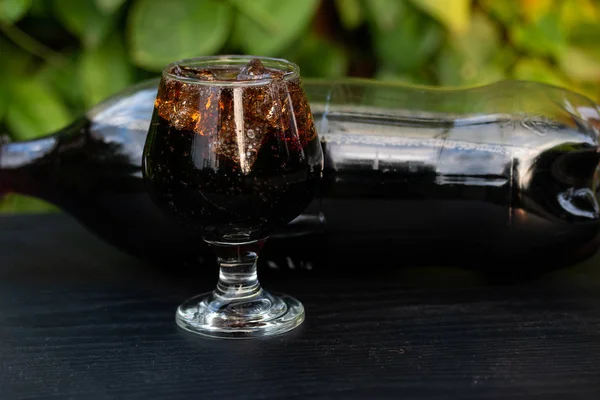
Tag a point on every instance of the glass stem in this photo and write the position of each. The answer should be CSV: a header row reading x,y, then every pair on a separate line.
x,y
237,269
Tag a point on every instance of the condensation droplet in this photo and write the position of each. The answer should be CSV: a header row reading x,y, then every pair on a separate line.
x,y
250,133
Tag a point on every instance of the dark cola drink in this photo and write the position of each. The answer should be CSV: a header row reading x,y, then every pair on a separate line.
x,y
232,160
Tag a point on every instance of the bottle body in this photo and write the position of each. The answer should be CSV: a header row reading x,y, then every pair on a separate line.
x,y
92,170
503,172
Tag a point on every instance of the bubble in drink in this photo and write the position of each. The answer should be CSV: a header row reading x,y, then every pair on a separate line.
x,y
254,156
260,113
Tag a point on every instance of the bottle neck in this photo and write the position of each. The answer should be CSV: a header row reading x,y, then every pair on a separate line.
x,y
21,164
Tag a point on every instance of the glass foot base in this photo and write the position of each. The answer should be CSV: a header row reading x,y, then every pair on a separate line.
x,y
260,315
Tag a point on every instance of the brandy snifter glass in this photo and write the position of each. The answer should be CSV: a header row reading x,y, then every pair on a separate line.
x,y
232,152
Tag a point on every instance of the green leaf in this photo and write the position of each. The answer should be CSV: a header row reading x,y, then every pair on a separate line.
x,y
3,90
35,109
63,78
543,37
585,34
108,6
15,203
454,14
3,101
454,70
409,44
575,13
104,70
318,58
505,57
480,41
448,67
581,64
14,62
384,14
530,69
534,9
13,10
468,60
84,20
288,19
505,11
350,12
41,8
165,31
260,15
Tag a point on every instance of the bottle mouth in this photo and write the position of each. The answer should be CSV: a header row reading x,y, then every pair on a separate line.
x,y
227,70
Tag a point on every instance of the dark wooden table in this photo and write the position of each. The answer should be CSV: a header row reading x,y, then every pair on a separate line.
x,y
80,320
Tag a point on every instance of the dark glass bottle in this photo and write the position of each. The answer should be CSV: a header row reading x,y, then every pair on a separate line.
x,y
492,177
92,170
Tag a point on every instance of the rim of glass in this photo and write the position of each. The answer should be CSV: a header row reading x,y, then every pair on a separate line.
x,y
291,70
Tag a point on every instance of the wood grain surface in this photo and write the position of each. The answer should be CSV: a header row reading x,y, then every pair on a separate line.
x,y
80,320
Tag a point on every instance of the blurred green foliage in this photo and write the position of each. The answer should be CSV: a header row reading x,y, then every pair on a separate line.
x,y
60,57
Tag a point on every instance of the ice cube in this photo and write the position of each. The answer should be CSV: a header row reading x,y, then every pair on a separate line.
x,y
191,72
256,70
253,70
